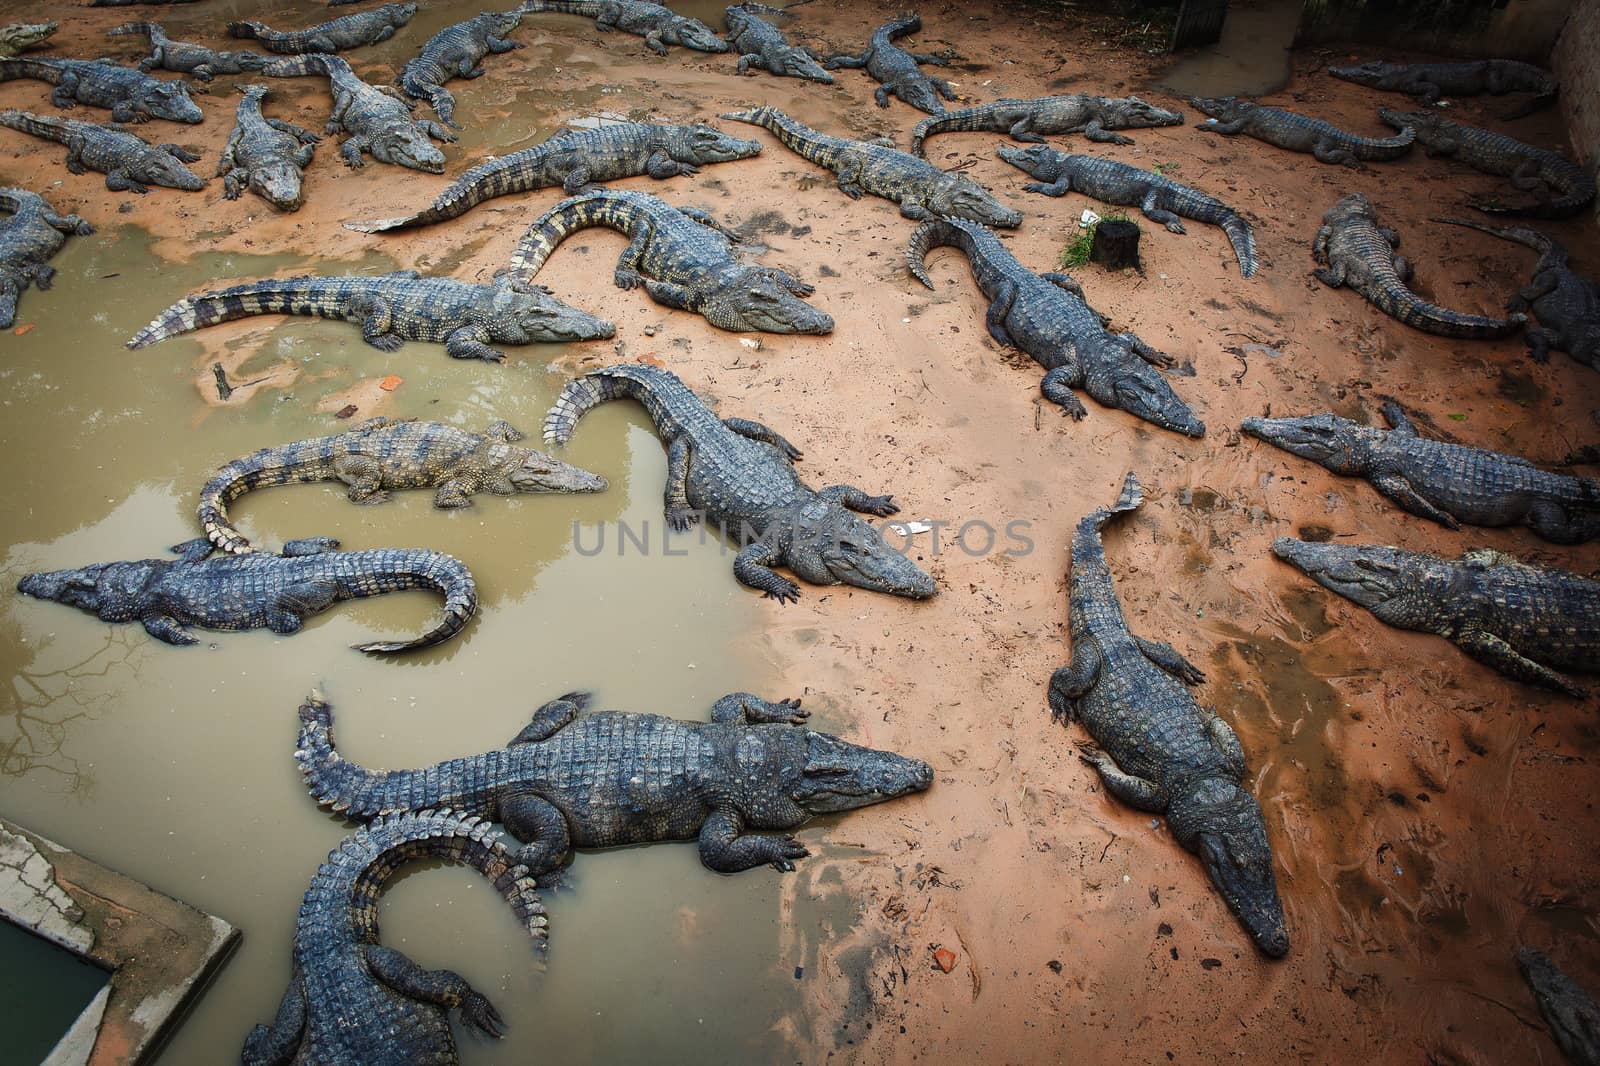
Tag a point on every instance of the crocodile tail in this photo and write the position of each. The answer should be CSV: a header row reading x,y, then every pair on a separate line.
x,y
24,67
1243,241
143,29
1527,237
249,30
386,570
1130,499
935,234
51,129
288,464
564,7
494,177
285,296
902,27
637,381
1414,311
1560,207
301,65
799,138
600,208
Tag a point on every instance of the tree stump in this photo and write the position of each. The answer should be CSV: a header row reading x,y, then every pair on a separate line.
x,y
1116,244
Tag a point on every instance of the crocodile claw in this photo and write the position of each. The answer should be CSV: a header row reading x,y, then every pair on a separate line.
x,y
479,1013
787,592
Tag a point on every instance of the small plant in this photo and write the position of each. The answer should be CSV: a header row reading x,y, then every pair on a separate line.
x,y
1162,168
1076,253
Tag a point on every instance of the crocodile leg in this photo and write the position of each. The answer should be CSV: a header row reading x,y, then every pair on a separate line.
x,y
790,282
468,343
1398,421
849,178
167,629
1494,651
457,492
999,308
445,987
1057,387
1071,682
1060,187
746,427
627,274
303,598
741,708
551,718
1539,343
1226,741
1153,356
1022,130
1136,792
1552,522
1333,277
846,62
1332,153
752,568
277,1046
881,95
661,165
1155,213
1227,129
1168,658
1094,131
1064,281
364,476
853,498
727,849
502,430
377,319
306,546
668,294
709,221
118,181
680,513
541,828
1398,489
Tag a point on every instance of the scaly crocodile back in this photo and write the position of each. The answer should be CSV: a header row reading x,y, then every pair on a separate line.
x,y
661,392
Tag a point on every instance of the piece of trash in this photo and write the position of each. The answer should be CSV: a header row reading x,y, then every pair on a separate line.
x,y
903,321
945,959
392,382
649,331
346,411
27,328
650,359
1457,417
1211,121
1163,277
1087,219
752,343
799,972
905,529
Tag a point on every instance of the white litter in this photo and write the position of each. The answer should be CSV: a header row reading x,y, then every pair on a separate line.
x,y
1087,219
905,528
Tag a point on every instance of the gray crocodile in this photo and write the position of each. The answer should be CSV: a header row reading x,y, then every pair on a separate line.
x,y
1447,483
132,95
349,31
382,455
130,163
181,57
260,590
1159,751
265,155
897,70
573,159
1356,250
682,257
392,309
21,37
1560,186
923,191
456,52
30,233
353,1002
658,25
144,3
1027,120
1430,81
572,780
740,475
1525,621
1045,315
375,119
761,45
1569,1011
1298,133
1160,198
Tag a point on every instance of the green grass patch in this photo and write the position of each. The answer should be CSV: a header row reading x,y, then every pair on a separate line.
x,y
1076,253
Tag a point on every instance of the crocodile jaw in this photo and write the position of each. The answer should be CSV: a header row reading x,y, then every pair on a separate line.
x,y
279,185
1368,574
1324,439
1223,825
840,776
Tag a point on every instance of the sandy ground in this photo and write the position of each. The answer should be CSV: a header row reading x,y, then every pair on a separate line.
x,y
1428,815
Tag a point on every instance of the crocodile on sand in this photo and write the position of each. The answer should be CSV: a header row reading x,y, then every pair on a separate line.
x,y
258,590
572,780
350,31
1573,1017
1448,483
199,62
682,258
382,455
1525,621
1045,315
658,25
30,233
760,44
22,37
1355,250
456,52
375,119
1160,198
1158,750
130,163
132,95
392,309
353,1002
923,191
740,475
897,70
1429,81
1026,120
265,155
573,159
1298,133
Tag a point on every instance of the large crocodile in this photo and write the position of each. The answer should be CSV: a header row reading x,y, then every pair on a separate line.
x,y
456,52
1569,1011
375,119
30,233
349,31
1027,120
181,57
1355,250
1448,483
658,25
382,455
760,44
1045,315
1298,133
130,163
575,158
682,258
258,590
740,475
392,309
923,191
1560,186
265,155
352,1001
143,3
1159,751
897,70
1525,621
22,37
132,95
572,780
1430,81
1160,198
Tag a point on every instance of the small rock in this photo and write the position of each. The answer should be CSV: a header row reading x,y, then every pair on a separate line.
x,y
1055,965
1210,964
1163,929
945,959
346,411
650,331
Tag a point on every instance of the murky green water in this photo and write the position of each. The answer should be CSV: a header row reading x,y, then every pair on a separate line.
x,y
43,989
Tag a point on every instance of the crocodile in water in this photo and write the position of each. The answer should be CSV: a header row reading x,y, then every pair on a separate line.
x,y
896,70
130,163
1298,133
1027,120
457,52
30,233
375,119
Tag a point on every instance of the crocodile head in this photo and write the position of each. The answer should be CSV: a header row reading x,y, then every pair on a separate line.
x,y
159,167
1222,824
22,36
1037,160
1134,114
503,22
703,144
1373,73
539,472
405,145
1221,108
169,100
1384,580
110,590
528,314
790,774
692,33
1421,121
798,63
1337,443
1143,391
829,545
958,197
753,299
279,183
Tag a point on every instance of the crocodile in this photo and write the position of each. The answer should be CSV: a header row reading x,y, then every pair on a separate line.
x,y
1430,81
30,233
143,3
1355,250
181,57
1560,186
265,155
1158,750
392,309
132,95
1046,316
1525,621
923,191
353,1002
573,159
740,475
1160,198
897,71
658,25
130,163
22,37
349,31
682,257
258,590
375,119
1447,483
1298,133
1569,1011
383,454
763,46
1027,120
456,52
606,779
